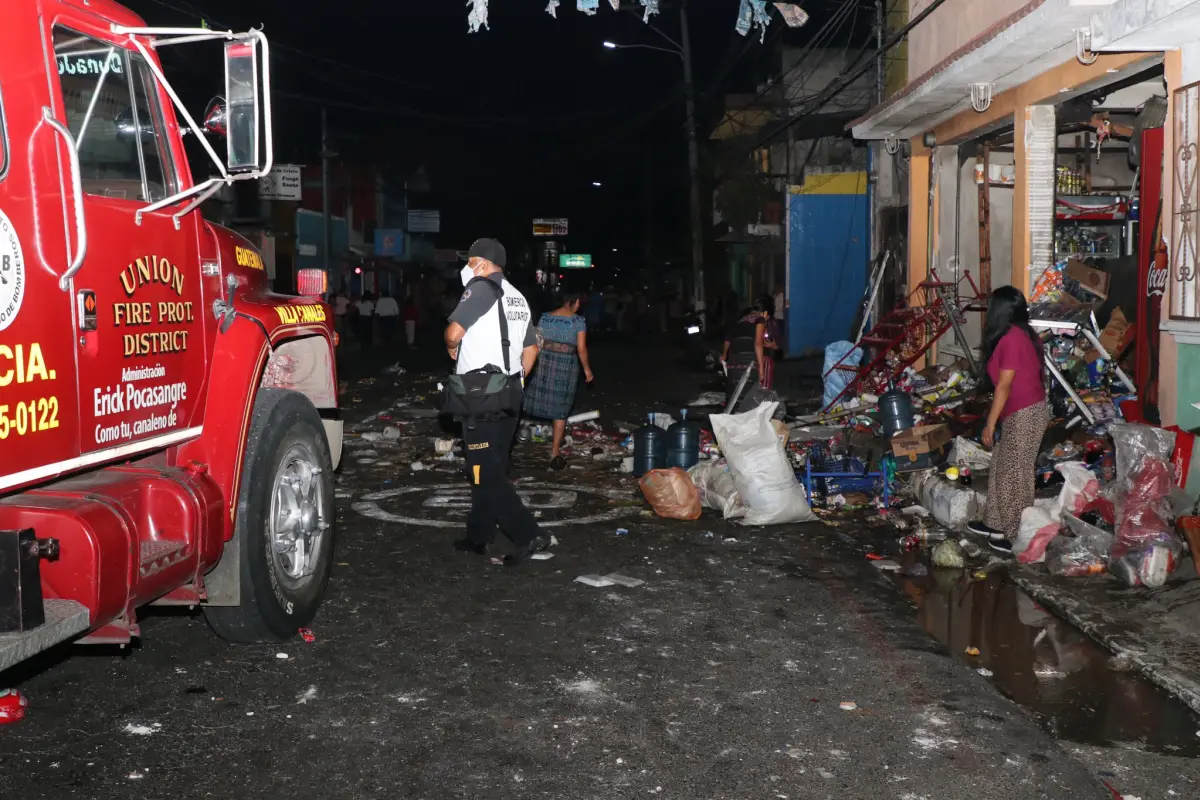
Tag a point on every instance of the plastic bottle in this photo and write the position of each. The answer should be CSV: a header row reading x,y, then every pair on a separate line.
x,y
683,443
649,448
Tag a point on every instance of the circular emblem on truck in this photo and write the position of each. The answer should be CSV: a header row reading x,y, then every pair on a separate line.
x,y
12,272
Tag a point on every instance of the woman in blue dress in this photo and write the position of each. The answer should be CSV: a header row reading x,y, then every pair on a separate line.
x,y
550,393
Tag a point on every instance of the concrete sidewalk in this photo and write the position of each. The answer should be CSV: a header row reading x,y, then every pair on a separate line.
x,y
1156,630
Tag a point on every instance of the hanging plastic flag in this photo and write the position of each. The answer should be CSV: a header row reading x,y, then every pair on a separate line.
x,y
761,18
616,4
745,15
651,7
478,17
589,7
793,15
552,8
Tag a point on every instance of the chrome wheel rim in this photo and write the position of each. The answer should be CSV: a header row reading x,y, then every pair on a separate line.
x,y
298,523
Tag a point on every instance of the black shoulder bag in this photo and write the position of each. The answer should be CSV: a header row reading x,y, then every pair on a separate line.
x,y
487,392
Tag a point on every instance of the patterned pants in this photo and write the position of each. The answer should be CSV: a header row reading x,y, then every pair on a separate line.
x,y
1012,473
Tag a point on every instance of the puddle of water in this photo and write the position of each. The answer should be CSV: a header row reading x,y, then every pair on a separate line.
x,y
1049,667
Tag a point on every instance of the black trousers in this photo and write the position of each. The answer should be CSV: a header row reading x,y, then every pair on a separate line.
x,y
494,500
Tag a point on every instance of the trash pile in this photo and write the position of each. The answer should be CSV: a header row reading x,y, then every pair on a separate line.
x,y
1126,525
746,475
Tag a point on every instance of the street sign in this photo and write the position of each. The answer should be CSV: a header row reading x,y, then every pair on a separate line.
x,y
282,183
424,221
550,227
389,242
574,261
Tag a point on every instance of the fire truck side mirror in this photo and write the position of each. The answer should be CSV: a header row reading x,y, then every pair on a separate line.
x,y
243,111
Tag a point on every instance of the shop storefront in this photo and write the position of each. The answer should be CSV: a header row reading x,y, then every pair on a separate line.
x,y
1053,150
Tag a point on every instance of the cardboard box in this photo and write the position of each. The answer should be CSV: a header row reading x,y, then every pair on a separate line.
x,y
922,447
1116,333
1090,279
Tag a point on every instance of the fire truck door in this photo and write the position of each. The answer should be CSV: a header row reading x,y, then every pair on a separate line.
x,y
38,433
137,292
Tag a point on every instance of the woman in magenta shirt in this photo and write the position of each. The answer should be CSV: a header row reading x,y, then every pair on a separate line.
x,y
1014,364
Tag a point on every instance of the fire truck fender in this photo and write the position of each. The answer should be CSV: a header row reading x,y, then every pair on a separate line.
x,y
259,350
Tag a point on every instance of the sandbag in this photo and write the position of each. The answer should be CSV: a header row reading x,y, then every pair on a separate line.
x,y
759,465
671,493
714,482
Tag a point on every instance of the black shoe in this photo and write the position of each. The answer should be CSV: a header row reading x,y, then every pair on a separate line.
x,y
468,546
522,554
558,463
1001,545
978,528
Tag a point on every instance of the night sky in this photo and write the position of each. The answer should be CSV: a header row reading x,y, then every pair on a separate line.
x,y
510,123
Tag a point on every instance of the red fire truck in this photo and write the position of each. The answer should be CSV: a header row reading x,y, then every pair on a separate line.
x,y
168,426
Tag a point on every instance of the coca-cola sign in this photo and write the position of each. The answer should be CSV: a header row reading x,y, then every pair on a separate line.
x,y
1156,281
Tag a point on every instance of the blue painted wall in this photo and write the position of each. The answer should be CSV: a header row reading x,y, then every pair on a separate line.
x,y
828,250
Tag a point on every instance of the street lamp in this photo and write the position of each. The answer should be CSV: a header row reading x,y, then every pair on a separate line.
x,y
683,50
597,183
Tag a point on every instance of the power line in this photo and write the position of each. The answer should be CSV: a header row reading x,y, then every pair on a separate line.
x,y
849,74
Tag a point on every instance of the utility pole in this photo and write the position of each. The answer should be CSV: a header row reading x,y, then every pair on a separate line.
x,y
327,155
689,88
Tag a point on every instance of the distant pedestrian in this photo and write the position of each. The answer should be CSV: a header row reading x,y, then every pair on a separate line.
x,y
411,313
341,312
1014,364
366,320
745,347
388,311
550,393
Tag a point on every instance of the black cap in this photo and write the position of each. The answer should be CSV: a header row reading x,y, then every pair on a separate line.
x,y
488,249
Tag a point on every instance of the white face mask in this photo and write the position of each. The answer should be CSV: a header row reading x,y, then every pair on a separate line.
x,y
467,274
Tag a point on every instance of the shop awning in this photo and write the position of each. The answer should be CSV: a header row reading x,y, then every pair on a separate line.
x,y
1036,38
1136,25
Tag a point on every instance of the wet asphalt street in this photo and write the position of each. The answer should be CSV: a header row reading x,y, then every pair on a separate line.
x,y
439,674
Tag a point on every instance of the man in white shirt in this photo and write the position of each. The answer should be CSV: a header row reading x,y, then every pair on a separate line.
x,y
474,339
388,311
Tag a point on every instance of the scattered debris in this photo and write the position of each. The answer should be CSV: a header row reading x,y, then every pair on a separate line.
x,y
599,581
848,705
307,635
622,531
281,656
985,672
949,555
308,694
624,580
142,730
541,556
972,651
886,565
12,706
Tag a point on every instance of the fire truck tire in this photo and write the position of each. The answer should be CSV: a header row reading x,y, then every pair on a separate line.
x,y
285,522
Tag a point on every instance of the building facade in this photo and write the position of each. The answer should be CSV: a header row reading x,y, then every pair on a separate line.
x,y
1071,128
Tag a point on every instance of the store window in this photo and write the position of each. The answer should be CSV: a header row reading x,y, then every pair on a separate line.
x,y
113,112
1185,204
